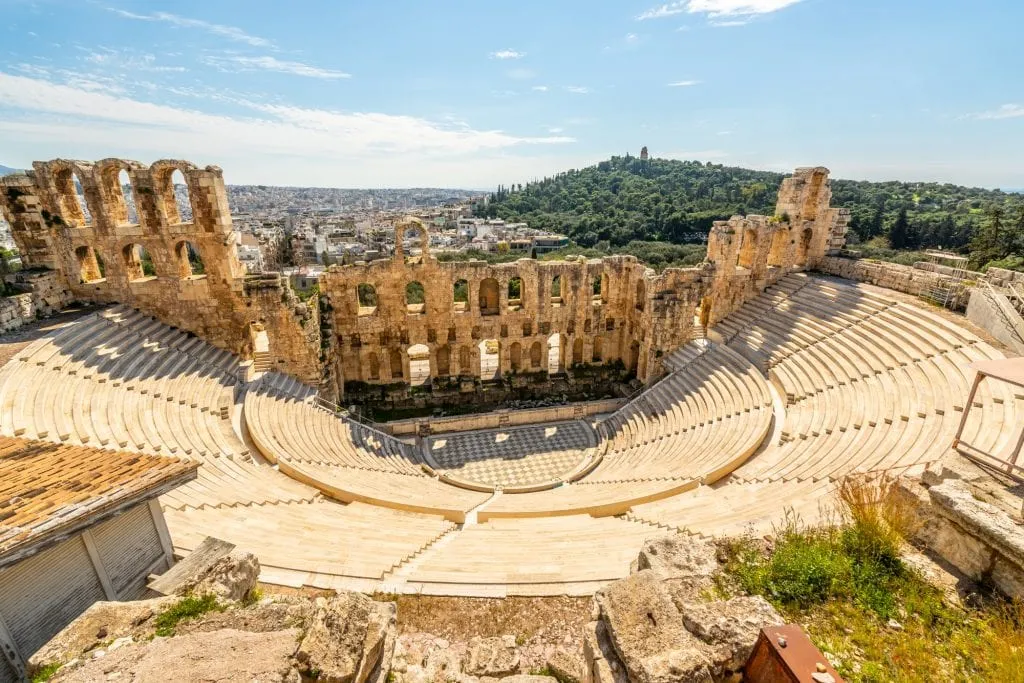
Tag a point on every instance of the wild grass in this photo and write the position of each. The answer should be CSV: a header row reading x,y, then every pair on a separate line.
x,y
188,607
875,617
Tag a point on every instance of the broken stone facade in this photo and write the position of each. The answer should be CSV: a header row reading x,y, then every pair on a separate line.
x,y
403,322
101,256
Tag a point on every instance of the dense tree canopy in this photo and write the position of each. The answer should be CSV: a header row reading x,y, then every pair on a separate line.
x,y
627,200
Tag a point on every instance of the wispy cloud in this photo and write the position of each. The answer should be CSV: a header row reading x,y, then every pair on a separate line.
x,y
1007,111
129,61
507,54
631,38
540,88
554,130
683,84
577,89
715,8
229,32
267,63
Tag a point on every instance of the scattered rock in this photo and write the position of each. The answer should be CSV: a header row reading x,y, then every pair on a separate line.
x,y
226,656
232,577
566,665
346,639
601,663
731,628
894,625
496,656
679,556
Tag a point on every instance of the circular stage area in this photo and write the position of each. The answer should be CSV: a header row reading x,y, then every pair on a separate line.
x,y
531,456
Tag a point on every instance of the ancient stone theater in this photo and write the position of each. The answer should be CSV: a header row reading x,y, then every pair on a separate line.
x,y
758,383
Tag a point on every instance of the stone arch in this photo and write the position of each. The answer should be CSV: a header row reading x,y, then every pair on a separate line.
x,y
596,354
555,354
460,296
419,364
415,297
596,285
577,351
373,367
515,356
804,247
395,363
117,189
71,201
536,355
556,290
465,360
777,249
411,240
641,294
516,294
166,173
190,261
490,359
90,265
489,296
444,362
748,249
138,264
366,298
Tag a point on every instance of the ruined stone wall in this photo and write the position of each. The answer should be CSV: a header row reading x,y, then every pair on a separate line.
x,y
100,255
600,311
906,279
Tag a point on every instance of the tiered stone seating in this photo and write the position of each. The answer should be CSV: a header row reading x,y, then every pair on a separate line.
x,y
551,556
322,544
120,380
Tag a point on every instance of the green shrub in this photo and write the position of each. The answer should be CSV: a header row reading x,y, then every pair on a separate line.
x,y
187,608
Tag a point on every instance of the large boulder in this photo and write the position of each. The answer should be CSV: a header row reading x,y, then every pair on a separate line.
x,y
679,555
565,665
497,656
646,629
226,656
730,628
346,641
602,665
101,623
232,577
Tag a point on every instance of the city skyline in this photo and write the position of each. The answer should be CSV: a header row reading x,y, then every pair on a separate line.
x,y
456,95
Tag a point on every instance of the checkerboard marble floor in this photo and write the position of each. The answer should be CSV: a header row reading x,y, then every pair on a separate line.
x,y
518,456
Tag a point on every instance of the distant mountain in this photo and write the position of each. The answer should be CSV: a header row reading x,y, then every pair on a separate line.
x,y
5,170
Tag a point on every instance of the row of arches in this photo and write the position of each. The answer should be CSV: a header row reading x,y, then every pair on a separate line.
x,y
781,237
119,196
488,295
137,262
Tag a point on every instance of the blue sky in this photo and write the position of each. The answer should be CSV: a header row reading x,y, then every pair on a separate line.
x,y
375,93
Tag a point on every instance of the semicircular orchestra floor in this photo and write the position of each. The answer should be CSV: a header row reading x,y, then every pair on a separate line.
x,y
810,382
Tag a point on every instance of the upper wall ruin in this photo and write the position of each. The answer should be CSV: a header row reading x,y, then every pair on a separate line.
x,y
407,320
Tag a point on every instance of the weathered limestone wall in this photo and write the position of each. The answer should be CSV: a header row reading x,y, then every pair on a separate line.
x,y
503,418
907,279
98,255
44,294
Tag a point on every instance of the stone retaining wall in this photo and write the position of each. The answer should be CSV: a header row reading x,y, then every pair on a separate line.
x,y
43,297
906,279
502,418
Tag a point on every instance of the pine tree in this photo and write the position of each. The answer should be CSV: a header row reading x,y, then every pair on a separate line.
x,y
989,243
899,233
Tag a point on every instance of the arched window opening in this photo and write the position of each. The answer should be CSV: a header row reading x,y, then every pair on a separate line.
x,y
777,250
415,299
604,288
515,294
748,249
577,351
536,355
804,248
444,362
138,263
419,364
190,262
460,296
489,297
373,369
465,360
83,205
597,355
515,356
124,184
90,266
555,354
366,297
641,293
595,289
587,324
414,243
634,356
182,199
395,361
556,290
490,359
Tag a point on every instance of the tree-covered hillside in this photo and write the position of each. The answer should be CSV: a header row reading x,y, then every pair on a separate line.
x,y
625,199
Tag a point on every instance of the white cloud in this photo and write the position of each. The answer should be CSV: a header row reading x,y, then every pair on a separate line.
x,y
127,60
683,84
229,32
540,88
632,38
1007,111
716,8
62,120
507,54
267,63
577,89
